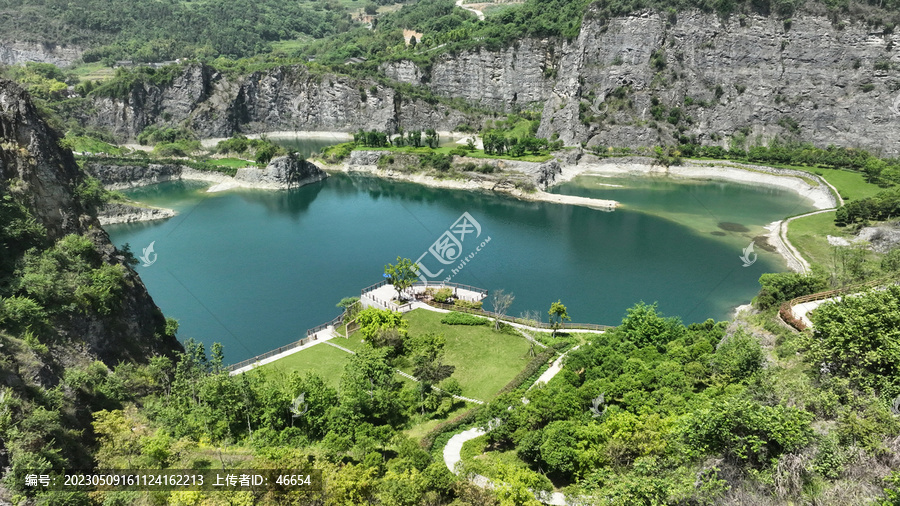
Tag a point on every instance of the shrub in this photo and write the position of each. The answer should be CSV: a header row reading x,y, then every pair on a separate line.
x,y
784,286
456,318
465,304
20,313
748,432
443,295
338,152
739,356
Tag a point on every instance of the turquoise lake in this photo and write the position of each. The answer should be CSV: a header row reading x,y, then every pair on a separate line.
x,y
254,269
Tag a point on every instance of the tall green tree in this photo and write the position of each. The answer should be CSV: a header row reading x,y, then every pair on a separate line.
x,y
402,274
558,314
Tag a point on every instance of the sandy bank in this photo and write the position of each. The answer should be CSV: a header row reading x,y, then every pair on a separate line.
x,y
796,181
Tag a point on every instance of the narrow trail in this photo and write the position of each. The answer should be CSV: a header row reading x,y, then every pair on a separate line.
x,y
453,448
796,262
410,376
459,3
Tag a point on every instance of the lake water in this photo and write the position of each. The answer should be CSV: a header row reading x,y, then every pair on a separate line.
x,y
254,269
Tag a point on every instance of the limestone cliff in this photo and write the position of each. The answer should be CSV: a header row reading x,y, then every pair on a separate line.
x,y
804,79
45,179
284,98
618,83
17,52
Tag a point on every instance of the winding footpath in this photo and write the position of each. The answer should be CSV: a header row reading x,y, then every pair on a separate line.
x,y
779,240
459,3
453,448
409,376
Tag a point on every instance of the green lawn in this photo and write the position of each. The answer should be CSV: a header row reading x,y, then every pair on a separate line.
x,y
809,236
485,360
236,163
95,71
326,361
851,185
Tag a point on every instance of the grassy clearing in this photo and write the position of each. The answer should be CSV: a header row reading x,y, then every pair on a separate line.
x,y
322,359
851,185
485,360
92,71
809,236
236,163
83,144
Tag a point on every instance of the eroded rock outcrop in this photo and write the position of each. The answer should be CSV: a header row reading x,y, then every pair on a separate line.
x,y
37,173
19,52
119,176
116,212
283,172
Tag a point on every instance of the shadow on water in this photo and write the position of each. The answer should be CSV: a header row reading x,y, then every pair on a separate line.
x,y
293,202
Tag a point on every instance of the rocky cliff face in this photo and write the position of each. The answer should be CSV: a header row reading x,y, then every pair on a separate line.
x,y
17,52
517,77
805,79
618,83
36,172
286,98
122,177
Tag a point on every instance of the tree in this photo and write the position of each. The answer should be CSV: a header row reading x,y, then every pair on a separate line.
x,y
432,139
501,302
558,313
429,368
369,388
858,338
383,328
401,275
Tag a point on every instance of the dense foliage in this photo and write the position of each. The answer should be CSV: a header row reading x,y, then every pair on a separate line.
x,y
166,30
883,206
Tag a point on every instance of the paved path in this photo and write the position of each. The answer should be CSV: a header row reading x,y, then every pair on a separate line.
x,y
453,448
795,260
553,370
322,336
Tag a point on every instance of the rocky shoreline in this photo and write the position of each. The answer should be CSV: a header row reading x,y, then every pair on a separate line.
x,y
116,212
517,179
281,173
